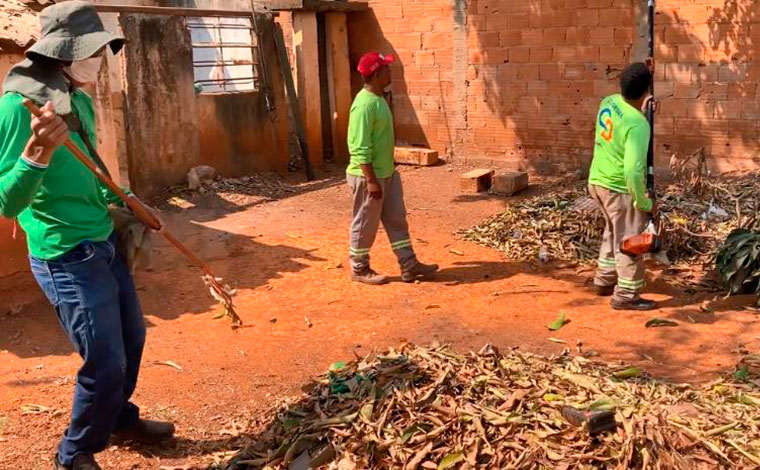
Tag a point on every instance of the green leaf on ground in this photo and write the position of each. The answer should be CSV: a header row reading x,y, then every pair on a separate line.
x,y
742,374
630,373
553,397
749,400
450,460
337,366
559,322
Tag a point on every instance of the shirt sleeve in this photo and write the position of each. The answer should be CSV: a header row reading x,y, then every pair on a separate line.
x,y
19,179
634,165
360,135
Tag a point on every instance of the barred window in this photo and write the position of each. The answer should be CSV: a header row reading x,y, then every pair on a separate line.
x,y
225,54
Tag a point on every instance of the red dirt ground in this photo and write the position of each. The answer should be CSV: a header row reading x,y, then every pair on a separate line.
x,y
282,256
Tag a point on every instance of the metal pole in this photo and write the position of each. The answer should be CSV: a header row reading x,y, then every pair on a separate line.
x,y
650,107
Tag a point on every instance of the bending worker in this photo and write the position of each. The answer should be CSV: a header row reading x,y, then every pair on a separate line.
x,y
617,182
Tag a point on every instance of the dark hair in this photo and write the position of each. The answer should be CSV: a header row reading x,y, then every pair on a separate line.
x,y
635,80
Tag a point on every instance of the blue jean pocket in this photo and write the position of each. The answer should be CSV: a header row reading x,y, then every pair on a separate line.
x,y
81,253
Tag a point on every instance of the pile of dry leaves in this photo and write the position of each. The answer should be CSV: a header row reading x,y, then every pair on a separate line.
x,y
560,225
418,408
245,191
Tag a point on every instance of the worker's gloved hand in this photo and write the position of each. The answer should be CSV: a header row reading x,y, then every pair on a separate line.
x,y
49,132
151,210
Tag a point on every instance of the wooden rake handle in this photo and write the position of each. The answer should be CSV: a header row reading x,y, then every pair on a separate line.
x,y
137,207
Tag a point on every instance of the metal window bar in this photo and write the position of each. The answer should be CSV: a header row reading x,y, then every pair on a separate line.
x,y
217,26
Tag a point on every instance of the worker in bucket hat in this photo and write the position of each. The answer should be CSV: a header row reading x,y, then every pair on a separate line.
x,y
375,184
64,211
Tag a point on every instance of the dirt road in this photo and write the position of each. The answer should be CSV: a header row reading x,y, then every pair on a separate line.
x,y
288,261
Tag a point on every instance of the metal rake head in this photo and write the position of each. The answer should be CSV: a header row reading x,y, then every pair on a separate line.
x,y
223,293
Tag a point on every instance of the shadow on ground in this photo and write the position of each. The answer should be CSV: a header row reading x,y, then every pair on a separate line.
x,y
28,325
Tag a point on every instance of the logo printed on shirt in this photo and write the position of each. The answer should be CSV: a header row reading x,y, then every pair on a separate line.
x,y
605,122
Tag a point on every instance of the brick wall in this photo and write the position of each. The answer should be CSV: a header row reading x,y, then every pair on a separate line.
x,y
517,82
708,73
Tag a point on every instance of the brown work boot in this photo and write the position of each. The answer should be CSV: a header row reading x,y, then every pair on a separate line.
x,y
638,304
604,291
146,432
418,270
368,276
81,462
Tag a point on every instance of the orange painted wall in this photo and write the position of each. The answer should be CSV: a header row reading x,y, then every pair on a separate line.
x,y
12,252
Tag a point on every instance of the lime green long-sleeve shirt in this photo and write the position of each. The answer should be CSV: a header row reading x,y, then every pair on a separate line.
x,y
370,135
620,150
58,206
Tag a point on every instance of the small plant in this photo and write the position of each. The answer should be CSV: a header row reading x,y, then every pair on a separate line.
x,y
738,262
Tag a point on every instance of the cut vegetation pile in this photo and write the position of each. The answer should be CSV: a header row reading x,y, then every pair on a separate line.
x,y
565,225
245,191
419,408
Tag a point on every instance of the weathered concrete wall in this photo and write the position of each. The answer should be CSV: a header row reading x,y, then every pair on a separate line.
x,y
238,134
12,252
232,138
162,140
517,82
171,129
109,114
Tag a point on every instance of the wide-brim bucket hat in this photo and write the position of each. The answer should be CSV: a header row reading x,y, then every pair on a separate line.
x,y
71,31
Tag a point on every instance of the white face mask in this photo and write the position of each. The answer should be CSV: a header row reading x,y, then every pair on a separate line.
x,y
85,71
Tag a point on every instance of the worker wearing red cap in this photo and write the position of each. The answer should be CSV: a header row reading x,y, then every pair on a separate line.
x,y
375,185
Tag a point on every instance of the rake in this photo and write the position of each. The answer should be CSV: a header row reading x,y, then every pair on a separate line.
x,y
219,291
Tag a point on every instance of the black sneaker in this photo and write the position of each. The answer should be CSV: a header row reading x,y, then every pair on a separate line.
x,y
418,270
641,305
80,462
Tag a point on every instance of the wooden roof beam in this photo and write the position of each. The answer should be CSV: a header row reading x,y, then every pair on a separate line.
x,y
316,5
176,11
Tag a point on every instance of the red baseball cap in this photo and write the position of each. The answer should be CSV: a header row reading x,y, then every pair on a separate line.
x,y
371,62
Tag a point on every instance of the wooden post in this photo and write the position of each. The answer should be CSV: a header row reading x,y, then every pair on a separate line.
x,y
306,48
339,79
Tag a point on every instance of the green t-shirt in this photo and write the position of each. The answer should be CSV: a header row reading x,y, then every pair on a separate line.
x,y
370,135
59,206
620,150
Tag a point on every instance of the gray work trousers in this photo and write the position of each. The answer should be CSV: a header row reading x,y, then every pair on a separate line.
x,y
622,220
367,215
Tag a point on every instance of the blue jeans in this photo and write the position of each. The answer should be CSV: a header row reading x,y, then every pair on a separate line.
x,y
96,303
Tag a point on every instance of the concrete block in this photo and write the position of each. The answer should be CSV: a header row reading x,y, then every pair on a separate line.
x,y
416,156
476,181
199,175
509,182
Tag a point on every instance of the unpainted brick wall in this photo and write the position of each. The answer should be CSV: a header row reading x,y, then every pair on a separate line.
x,y
516,83
707,79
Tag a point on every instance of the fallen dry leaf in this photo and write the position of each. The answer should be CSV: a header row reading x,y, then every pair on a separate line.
x,y
438,408
171,364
